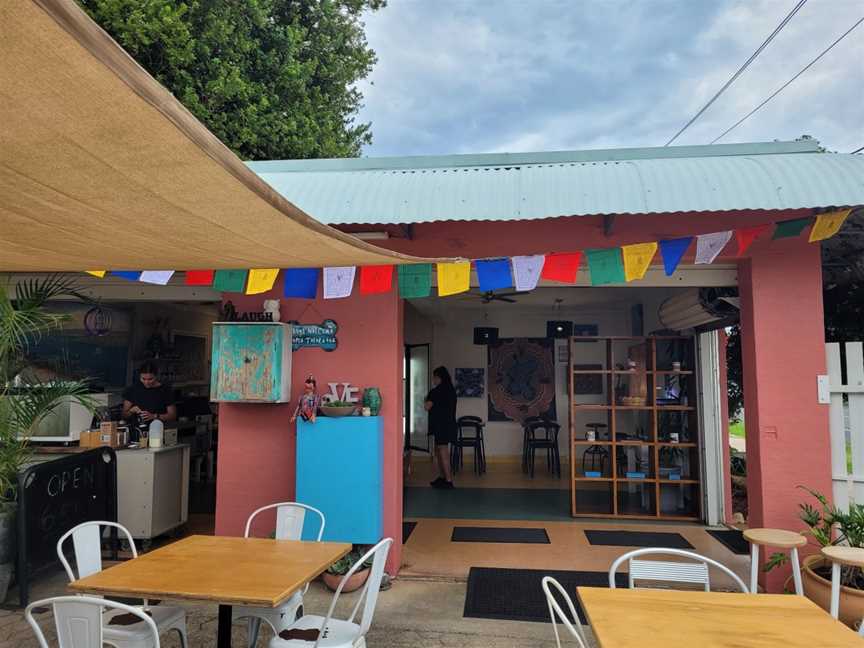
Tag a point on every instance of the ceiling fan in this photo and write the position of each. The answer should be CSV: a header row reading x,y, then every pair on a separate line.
x,y
490,296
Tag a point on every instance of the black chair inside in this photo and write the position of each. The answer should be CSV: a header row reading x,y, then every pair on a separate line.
x,y
543,435
469,435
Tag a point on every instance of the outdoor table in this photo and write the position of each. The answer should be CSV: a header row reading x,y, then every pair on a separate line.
x,y
229,571
625,618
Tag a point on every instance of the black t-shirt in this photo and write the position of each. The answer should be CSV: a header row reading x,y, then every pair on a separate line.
x,y
155,399
442,416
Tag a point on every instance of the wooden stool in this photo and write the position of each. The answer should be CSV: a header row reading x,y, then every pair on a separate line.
x,y
774,538
839,556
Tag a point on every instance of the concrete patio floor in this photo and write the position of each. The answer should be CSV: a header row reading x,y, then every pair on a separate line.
x,y
415,614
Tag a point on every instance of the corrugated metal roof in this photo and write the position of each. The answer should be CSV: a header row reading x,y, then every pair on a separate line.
x,y
775,176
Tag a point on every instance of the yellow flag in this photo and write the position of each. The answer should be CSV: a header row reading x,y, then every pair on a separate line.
x,y
97,273
637,259
827,225
453,278
261,280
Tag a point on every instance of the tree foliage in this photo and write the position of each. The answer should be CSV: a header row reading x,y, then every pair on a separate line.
x,y
273,79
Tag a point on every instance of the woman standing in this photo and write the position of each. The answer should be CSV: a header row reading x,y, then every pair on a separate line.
x,y
441,405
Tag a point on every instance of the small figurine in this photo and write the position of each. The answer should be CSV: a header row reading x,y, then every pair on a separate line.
x,y
307,406
271,308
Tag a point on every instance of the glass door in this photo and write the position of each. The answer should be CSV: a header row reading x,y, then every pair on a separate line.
x,y
417,380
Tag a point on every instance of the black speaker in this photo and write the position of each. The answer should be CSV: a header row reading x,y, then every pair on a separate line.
x,y
485,335
559,329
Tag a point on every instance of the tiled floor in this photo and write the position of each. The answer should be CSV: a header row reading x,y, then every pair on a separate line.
x,y
501,472
430,553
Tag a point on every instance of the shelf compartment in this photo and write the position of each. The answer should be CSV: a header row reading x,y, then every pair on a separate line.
x,y
593,497
673,459
592,461
631,460
679,499
636,498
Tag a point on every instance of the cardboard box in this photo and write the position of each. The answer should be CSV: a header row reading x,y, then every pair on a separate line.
x,y
111,436
169,437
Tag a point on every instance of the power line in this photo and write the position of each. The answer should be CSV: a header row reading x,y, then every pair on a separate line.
x,y
858,150
785,85
741,69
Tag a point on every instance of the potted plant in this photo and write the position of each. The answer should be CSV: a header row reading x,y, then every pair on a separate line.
x,y
335,572
25,398
821,523
338,408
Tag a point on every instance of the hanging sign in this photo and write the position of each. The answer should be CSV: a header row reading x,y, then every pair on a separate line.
x,y
321,335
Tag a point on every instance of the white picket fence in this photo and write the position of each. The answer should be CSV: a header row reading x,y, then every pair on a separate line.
x,y
847,420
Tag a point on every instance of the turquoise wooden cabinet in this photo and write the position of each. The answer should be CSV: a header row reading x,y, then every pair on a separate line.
x,y
251,362
340,469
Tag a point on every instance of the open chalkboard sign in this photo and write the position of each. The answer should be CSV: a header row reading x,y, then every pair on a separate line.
x,y
55,496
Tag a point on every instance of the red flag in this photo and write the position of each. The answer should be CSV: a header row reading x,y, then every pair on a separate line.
x,y
376,279
199,277
561,267
746,236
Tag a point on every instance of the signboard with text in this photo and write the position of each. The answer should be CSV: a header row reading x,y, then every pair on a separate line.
x,y
321,335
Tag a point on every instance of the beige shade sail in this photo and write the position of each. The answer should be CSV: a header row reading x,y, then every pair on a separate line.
x,y
102,168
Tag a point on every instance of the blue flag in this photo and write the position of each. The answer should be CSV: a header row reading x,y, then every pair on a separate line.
x,y
494,274
672,251
301,283
131,275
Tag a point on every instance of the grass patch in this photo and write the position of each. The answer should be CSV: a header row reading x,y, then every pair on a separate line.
x,y
737,429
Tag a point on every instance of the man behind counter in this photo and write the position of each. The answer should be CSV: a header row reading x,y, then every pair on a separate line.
x,y
148,399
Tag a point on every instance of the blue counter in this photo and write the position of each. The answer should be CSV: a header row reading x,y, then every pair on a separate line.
x,y
340,464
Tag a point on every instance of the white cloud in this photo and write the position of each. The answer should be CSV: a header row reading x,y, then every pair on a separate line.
x,y
462,76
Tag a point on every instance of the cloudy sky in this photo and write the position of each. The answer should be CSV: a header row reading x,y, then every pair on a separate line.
x,y
470,76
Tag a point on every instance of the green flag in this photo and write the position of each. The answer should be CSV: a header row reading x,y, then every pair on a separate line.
x,y
791,228
606,266
415,280
230,281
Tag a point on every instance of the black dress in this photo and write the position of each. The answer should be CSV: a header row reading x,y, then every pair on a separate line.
x,y
442,416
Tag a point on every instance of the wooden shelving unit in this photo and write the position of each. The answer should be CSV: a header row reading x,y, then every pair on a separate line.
x,y
637,402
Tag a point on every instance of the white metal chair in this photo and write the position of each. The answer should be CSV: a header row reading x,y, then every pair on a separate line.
x,y
555,611
327,632
290,517
781,539
694,573
79,622
839,556
87,544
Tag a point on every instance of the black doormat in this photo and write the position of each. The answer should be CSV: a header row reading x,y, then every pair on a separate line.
x,y
638,539
515,535
407,530
733,539
516,594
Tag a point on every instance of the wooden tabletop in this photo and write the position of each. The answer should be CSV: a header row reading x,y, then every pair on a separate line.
x,y
775,538
233,571
625,618
853,556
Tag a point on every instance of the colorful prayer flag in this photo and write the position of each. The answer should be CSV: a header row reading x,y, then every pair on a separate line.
x,y
790,228
229,281
637,259
200,277
261,280
605,266
131,275
709,246
747,235
158,277
301,283
672,251
493,274
376,279
415,281
562,267
97,273
453,278
827,225
339,282
526,271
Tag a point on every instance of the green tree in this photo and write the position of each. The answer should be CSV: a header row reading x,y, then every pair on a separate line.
x,y
273,79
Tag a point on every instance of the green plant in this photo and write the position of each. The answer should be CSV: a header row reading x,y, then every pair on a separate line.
x,y
25,400
821,523
339,403
344,564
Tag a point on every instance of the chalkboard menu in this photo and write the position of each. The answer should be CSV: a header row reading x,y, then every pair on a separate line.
x,y
57,495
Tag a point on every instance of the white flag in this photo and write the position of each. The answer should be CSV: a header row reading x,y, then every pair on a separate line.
x,y
159,277
338,282
708,246
526,271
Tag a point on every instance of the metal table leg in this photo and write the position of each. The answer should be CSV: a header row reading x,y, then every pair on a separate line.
x,y
223,634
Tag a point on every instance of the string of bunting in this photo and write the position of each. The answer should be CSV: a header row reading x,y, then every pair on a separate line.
x,y
606,266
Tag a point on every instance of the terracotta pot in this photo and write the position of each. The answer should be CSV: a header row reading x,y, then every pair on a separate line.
x,y
354,583
818,590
